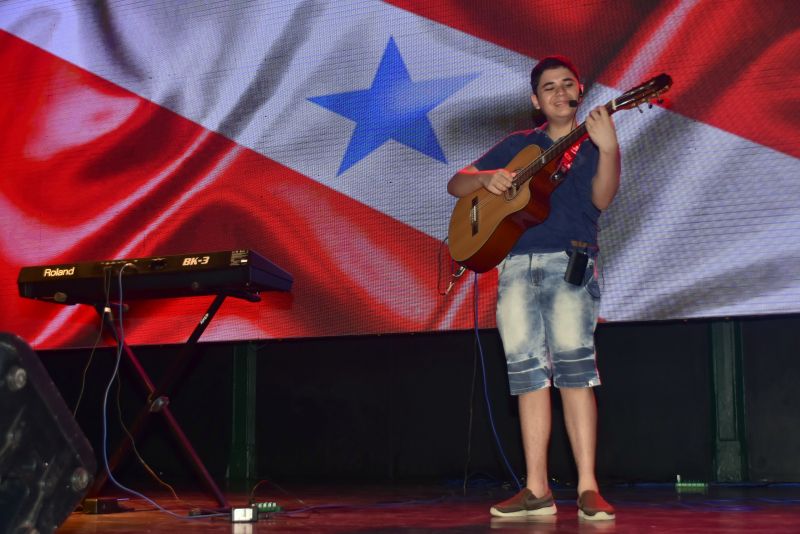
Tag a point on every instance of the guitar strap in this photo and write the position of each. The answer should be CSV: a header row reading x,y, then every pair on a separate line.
x,y
569,156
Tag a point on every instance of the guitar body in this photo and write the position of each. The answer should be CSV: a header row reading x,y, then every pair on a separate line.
x,y
484,227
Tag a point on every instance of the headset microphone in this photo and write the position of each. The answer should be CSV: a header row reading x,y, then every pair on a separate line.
x,y
573,103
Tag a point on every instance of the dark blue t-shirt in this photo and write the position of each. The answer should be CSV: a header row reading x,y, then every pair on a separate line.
x,y
573,216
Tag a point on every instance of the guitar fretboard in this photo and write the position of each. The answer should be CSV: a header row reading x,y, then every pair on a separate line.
x,y
555,151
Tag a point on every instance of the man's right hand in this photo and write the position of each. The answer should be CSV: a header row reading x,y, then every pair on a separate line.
x,y
497,182
469,179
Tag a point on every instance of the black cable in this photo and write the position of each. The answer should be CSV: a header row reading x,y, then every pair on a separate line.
x,y
471,413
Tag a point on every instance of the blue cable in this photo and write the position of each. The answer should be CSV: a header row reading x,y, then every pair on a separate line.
x,y
486,388
105,424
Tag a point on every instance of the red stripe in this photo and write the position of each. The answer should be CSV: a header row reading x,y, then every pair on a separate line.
x,y
357,271
734,63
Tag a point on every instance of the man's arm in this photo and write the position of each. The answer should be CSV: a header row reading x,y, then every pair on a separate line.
x,y
606,181
470,179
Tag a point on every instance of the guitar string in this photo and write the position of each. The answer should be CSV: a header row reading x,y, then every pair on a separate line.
x,y
532,169
540,161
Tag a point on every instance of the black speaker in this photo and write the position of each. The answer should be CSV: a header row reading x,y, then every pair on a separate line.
x,y
46,463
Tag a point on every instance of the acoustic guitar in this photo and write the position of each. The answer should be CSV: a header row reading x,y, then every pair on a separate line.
x,y
484,226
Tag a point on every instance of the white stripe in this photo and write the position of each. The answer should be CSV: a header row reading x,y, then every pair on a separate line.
x,y
706,224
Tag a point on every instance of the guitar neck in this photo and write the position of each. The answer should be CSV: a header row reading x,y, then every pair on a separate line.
x,y
558,148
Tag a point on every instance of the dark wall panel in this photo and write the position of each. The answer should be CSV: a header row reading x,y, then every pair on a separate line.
x,y
771,350
655,401
398,407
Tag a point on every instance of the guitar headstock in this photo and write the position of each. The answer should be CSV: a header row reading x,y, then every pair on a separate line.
x,y
648,91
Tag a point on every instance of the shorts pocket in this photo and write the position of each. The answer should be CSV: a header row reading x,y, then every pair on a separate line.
x,y
590,282
502,265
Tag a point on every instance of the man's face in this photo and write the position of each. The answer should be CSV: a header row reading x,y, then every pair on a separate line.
x,y
556,88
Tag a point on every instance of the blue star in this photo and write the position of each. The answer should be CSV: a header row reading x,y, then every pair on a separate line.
x,y
395,107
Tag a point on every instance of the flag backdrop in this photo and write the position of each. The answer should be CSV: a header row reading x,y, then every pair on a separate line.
x,y
322,135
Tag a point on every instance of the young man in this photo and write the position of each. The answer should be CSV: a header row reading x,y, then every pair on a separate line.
x,y
547,324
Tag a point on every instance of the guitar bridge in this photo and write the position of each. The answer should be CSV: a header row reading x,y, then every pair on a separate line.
x,y
473,216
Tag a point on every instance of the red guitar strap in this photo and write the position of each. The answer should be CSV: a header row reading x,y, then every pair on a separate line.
x,y
569,156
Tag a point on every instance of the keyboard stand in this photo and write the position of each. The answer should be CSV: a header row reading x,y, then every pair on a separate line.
x,y
157,399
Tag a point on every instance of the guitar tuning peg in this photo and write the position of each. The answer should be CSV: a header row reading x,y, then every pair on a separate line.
x,y
639,108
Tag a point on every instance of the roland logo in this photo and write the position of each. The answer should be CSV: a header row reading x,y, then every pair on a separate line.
x,y
59,272
196,260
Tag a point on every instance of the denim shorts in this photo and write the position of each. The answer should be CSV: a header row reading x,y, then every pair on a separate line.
x,y
546,324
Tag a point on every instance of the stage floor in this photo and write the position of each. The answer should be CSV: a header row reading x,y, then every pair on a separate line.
x,y
427,508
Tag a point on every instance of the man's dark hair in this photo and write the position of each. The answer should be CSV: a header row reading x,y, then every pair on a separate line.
x,y
551,62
